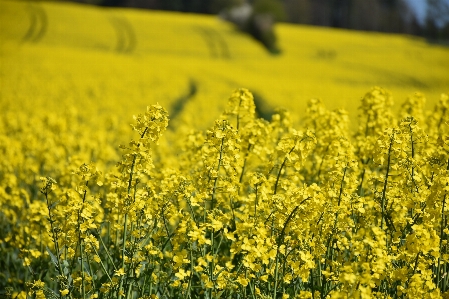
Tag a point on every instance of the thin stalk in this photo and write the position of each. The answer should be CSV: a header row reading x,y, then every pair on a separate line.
x,y
108,241
102,265
442,118
151,280
251,289
90,270
128,293
54,235
384,191
444,282
341,185
441,232
255,206
312,287
414,268
366,126
238,114
412,143
284,267
169,235
130,273
244,163
233,214
125,225
280,170
331,240
318,173
107,251
117,233
322,281
280,242
72,264
244,289
218,170
192,211
123,253
214,190
360,188
191,270
83,287
212,263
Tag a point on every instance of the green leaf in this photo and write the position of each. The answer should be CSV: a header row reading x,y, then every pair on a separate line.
x,y
53,258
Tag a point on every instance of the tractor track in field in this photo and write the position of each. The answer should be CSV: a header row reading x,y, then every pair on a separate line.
x,y
178,105
38,23
218,47
126,37
263,107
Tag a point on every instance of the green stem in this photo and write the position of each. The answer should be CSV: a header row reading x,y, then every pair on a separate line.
x,y
91,272
238,114
255,207
80,220
128,293
83,287
191,270
107,251
192,211
244,163
280,170
318,173
412,143
123,253
414,269
251,289
384,191
442,118
280,242
441,233
54,234
212,263
216,179
444,282
125,225
102,265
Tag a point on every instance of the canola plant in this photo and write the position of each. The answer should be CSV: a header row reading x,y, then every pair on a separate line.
x,y
246,209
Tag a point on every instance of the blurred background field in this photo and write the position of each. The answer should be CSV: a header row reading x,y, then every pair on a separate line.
x,y
110,63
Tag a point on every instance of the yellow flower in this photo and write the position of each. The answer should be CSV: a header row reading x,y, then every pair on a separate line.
x,y
26,262
242,280
40,294
181,274
120,272
64,292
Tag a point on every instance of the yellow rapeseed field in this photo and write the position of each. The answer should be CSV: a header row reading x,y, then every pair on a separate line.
x,y
121,60
270,192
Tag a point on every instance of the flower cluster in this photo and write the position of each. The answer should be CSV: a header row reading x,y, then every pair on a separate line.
x,y
247,209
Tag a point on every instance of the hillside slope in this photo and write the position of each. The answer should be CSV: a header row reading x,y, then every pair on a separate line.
x,y
117,61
